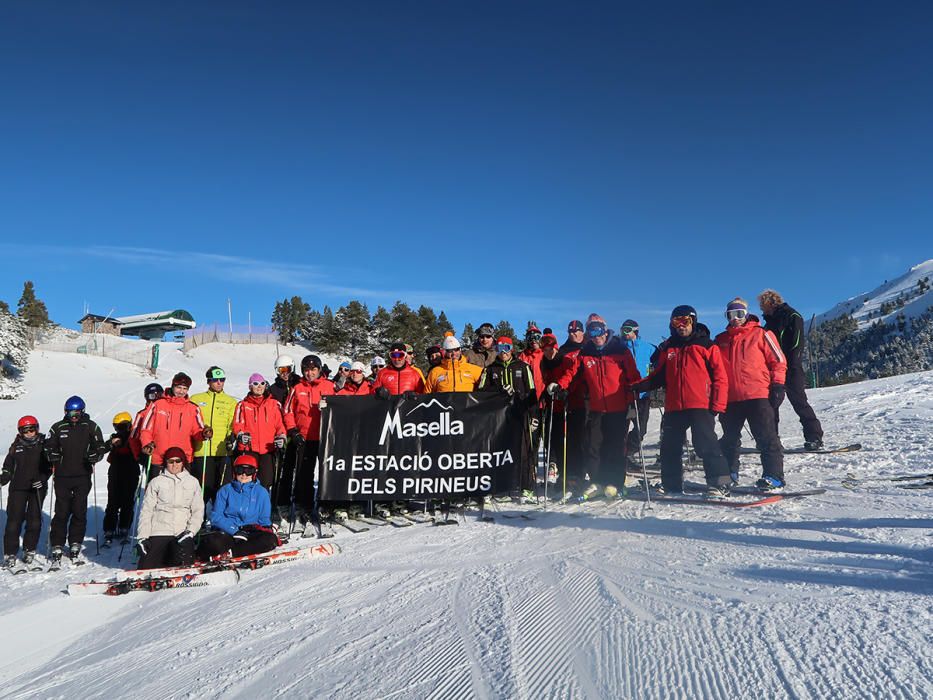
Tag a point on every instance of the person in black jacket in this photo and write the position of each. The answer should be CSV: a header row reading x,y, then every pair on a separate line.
x,y
285,378
122,480
27,470
74,445
787,324
509,375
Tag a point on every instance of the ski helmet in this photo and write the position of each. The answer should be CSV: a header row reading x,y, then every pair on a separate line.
x,y
309,361
284,361
74,403
246,463
27,422
122,417
153,391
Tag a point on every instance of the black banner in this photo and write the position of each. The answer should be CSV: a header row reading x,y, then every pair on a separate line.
x,y
432,446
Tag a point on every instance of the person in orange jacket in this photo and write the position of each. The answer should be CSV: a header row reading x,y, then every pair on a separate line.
x,y
259,428
303,423
691,369
173,421
756,368
454,373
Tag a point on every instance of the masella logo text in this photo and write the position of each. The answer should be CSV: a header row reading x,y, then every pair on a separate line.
x,y
395,426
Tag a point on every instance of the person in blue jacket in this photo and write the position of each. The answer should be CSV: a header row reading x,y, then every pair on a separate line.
x,y
641,351
241,516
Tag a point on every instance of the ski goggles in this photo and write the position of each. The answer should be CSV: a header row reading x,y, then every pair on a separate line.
x,y
246,469
534,336
257,383
504,347
629,329
398,354
74,414
736,313
29,429
681,321
153,395
217,375
284,370
596,330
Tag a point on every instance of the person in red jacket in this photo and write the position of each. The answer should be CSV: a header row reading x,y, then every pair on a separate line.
x,y
532,354
697,388
356,385
173,421
576,399
608,368
150,394
259,428
399,377
553,366
303,423
756,368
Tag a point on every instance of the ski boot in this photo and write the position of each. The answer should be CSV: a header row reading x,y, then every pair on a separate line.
x,y
55,559
29,560
769,483
552,473
718,492
813,445
735,478
74,552
124,536
9,562
108,539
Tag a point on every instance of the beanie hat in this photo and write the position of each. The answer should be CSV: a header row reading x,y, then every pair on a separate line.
x,y
574,326
409,349
357,367
595,318
214,372
309,361
175,453
434,349
181,379
630,322
504,340
684,310
397,347
345,363
378,362
548,339
486,329
737,304
451,343
256,377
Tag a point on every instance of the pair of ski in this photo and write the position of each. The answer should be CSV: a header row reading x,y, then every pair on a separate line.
x,y
922,481
854,447
224,572
21,567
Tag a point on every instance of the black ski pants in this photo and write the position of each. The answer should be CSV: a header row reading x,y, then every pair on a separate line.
x,y
23,506
576,431
760,417
70,519
217,472
165,550
639,423
604,447
703,431
304,479
122,484
795,386
218,542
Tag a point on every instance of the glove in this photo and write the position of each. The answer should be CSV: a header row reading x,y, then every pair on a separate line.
x,y
186,535
244,438
509,390
38,484
776,395
207,433
382,393
230,442
279,442
296,437
143,546
638,387
534,423
5,478
409,395
553,388
713,412
115,441
241,535
149,449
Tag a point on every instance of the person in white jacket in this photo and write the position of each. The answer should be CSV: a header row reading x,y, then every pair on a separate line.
x,y
171,513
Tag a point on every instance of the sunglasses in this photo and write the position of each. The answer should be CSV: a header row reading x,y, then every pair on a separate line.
x,y
629,329
681,321
485,335
504,347
356,371
174,460
217,379
257,384
596,331
736,313
244,469
397,355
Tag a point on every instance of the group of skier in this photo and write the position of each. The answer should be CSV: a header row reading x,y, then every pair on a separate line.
x,y
588,399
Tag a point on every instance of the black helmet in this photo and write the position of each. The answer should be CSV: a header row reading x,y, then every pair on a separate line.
x,y
153,391
684,310
309,361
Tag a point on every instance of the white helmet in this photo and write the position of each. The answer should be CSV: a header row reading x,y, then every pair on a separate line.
x,y
284,361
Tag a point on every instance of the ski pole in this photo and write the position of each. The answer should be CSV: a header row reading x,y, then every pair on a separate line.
x,y
299,457
641,455
140,487
277,477
48,540
547,448
96,509
563,496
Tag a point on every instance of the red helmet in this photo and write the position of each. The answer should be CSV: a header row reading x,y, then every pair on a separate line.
x,y
27,421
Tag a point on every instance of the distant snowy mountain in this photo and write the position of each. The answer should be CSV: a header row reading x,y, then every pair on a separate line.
x,y
908,296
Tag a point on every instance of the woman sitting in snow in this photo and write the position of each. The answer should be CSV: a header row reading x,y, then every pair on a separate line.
x,y
240,517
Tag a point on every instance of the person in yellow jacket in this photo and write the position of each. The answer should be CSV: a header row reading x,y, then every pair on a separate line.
x,y
217,409
454,373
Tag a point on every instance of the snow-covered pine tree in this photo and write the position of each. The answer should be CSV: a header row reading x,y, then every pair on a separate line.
x,y
14,355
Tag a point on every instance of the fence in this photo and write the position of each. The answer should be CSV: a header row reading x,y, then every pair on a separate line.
x,y
240,335
141,353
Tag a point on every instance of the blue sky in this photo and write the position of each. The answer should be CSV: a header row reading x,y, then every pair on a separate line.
x,y
493,159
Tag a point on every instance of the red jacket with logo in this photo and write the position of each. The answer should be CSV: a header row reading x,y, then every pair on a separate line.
x,y
302,407
398,381
693,374
136,445
607,374
261,417
171,422
753,358
351,389
532,358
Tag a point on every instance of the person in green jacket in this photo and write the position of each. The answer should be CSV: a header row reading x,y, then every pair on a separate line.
x,y
217,409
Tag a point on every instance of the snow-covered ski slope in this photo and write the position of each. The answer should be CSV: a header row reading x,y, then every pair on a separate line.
x,y
866,308
823,597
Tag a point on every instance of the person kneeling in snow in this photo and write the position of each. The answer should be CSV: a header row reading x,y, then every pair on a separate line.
x,y
241,516
171,513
